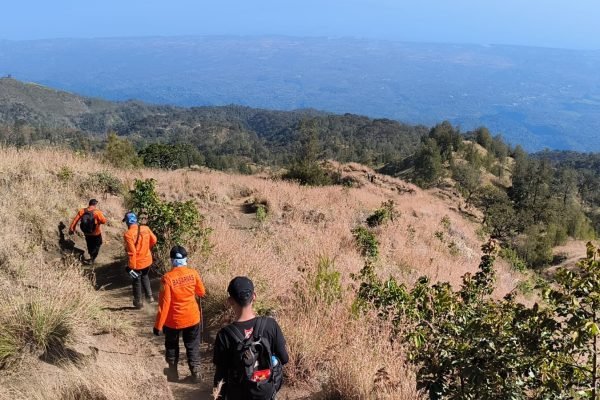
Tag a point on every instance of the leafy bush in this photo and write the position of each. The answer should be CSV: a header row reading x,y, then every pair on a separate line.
x,y
309,174
367,242
516,262
103,182
383,214
172,222
120,152
468,345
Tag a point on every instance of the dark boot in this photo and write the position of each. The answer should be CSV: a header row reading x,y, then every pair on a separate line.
x,y
171,372
195,376
138,299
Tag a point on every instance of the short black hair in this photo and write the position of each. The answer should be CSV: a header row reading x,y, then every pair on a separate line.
x,y
93,202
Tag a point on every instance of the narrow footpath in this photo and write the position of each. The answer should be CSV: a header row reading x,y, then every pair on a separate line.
x,y
114,284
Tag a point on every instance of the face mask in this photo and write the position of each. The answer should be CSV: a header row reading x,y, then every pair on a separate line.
x,y
178,262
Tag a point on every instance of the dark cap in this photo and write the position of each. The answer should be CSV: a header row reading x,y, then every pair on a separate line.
x,y
241,289
178,252
93,202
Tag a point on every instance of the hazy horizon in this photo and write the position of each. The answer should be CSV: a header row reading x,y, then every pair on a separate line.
x,y
537,23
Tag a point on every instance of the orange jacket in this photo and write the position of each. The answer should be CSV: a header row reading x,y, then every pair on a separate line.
x,y
98,217
140,256
177,307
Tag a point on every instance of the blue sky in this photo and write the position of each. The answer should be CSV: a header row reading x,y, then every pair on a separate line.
x,y
552,23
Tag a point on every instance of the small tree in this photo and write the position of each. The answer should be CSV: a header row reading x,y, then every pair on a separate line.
x,y
468,180
121,153
428,164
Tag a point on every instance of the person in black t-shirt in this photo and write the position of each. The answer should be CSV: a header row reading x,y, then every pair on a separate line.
x,y
241,299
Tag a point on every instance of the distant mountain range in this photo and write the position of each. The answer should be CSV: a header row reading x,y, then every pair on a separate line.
x,y
532,96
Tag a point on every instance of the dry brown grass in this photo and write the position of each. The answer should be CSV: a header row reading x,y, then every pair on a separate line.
x,y
113,379
331,350
47,304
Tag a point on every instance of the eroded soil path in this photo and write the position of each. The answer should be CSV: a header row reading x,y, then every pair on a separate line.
x,y
114,284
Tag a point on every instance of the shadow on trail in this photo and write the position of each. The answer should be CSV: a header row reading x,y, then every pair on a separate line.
x,y
117,309
67,245
111,276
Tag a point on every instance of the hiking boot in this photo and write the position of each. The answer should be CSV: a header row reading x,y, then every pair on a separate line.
x,y
138,305
151,300
172,374
195,377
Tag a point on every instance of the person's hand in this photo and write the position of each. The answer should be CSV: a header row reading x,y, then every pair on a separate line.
x,y
156,332
71,232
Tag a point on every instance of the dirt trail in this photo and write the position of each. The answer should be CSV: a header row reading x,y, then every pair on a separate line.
x,y
114,283
115,286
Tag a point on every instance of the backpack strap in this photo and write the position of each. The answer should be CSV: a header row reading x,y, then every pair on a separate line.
x,y
137,239
234,333
259,327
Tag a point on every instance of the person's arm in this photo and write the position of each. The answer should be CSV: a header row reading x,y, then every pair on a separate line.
x,y
164,303
100,218
199,289
279,345
131,250
75,221
221,364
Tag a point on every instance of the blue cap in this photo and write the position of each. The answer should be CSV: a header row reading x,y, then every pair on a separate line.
x,y
130,218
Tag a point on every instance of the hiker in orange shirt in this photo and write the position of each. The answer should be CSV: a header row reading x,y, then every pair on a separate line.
x,y
178,312
90,219
139,241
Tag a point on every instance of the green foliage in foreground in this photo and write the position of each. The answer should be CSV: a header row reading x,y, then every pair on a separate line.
x,y
469,345
172,222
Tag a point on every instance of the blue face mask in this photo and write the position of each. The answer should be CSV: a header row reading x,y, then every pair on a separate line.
x,y
178,262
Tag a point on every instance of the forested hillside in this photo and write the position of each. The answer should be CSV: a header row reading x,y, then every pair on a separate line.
x,y
226,137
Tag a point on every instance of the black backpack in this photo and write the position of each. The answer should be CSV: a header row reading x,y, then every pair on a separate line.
x,y
252,355
87,223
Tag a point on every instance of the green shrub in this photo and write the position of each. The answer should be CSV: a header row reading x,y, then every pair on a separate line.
x,y
383,214
172,222
308,173
516,262
120,153
467,344
261,213
65,174
103,182
367,242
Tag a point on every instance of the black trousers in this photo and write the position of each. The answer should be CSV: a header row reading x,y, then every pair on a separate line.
x,y
139,285
93,245
191,341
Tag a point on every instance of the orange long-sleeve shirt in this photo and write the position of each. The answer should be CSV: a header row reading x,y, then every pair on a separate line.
x,y
140,255
98,217
177,306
